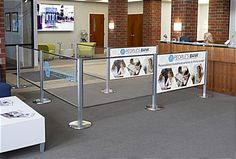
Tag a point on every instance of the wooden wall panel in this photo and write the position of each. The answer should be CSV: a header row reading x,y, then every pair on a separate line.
x,y
164,48
185,48
210,53
233,73
210,78
218,54
229,55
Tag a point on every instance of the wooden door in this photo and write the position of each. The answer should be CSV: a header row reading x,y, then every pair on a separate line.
x,y
135,30
97,31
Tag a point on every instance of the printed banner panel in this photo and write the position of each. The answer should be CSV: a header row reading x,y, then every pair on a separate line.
x,y
133,51
131,67
178,71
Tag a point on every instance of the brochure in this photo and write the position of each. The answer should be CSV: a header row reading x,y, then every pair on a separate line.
x,y
6,102
17,114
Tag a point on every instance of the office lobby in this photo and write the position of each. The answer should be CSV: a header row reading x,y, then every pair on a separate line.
x,y
69,89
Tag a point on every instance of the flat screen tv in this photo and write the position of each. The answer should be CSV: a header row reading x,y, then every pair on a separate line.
x,y
55,17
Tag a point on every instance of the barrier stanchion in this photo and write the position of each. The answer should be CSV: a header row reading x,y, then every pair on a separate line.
x,y
154,106
107,90
41,100
17,67
80,123
76,64
18,85
204,88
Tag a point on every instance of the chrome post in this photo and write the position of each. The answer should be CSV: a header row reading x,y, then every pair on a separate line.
x,y
76,64
80,123
41,100
204,88
154,106
17,67
107,89
18,72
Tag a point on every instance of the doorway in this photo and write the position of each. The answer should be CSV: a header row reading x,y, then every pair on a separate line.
x,y
135,30
97,32
19,31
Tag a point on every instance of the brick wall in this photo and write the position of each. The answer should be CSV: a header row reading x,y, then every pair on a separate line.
x,y
186,12
219,14
2,43
118,13
151,22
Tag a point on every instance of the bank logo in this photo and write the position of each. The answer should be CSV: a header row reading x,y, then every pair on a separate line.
x,y
122,51
171,58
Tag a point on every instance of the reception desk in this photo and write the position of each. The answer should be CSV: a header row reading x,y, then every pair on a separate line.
x,y
221,63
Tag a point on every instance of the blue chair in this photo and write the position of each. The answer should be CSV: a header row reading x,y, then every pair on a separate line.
x,y
5,90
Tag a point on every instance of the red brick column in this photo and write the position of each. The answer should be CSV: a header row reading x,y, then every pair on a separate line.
x,y
118,13
2,42
186,12
219,15
151,22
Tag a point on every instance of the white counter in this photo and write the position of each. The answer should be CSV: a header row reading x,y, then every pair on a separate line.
x,y
20,125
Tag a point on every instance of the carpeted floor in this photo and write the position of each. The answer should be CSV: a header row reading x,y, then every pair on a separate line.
x,y
124,89
35,76
188,128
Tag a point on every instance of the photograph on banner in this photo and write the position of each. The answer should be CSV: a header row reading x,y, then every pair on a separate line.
x,y
131,67
177,71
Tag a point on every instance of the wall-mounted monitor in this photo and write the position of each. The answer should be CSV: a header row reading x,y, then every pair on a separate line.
x,y
55,17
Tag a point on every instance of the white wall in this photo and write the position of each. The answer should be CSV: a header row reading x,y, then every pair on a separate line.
x,y
202,24
165,19
85,9
232,18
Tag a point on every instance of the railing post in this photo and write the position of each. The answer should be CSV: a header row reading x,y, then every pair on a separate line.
x,y
76,63
204,88
80,123
18,72
154,106
41,100
107,89
17,67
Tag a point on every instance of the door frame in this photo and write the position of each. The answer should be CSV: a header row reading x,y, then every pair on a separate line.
x,y
104,36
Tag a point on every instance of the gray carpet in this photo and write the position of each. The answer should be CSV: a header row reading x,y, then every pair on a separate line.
x,y
188,128
124,89
35,76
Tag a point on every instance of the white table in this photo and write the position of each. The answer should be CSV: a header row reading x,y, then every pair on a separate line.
x,y
27,128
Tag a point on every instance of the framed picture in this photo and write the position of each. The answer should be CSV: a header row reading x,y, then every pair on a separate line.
x,y
7,22
14,22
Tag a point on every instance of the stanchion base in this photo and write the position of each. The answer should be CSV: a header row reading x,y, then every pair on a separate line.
x,y
107,91
84,125
39,101
206,96
203,97
151,108
21,86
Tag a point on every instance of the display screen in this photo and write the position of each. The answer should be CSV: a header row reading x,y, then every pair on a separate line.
x,y
55,17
